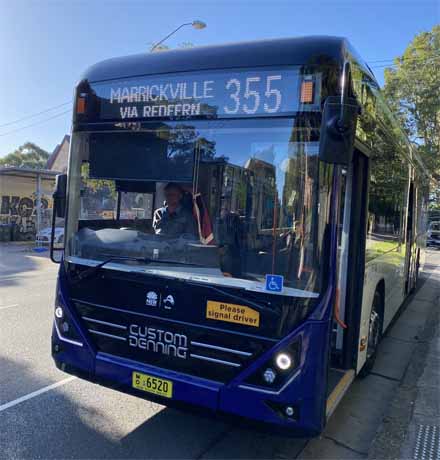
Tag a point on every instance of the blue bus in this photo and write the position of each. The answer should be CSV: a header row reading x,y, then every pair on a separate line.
x,y
242,224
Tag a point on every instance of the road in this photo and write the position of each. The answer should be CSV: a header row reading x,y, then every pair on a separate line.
x,y
46,414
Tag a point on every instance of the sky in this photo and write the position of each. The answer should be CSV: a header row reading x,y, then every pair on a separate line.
x,y
45,46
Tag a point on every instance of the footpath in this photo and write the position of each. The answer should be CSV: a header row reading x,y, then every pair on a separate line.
x,y
410,428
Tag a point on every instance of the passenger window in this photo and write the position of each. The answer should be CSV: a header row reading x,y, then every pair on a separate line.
x,y
389,178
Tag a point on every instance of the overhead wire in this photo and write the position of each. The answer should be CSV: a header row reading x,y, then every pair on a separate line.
x,y
33,115
415,57
34,124
392,62
394,65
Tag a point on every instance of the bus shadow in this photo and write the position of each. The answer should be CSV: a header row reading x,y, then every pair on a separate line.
x,y
51,425
172,434
80,420
177,434
18,260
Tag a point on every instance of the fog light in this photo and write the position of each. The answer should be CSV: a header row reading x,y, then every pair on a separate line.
x,y
283,361
289,411
59,312
269,376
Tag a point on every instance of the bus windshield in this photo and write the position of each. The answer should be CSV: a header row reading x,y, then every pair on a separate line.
x,y
227,202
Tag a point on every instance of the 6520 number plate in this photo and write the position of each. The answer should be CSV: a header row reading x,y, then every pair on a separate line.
x,y
152,384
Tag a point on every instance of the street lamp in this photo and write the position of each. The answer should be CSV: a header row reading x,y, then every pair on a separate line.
x,y
195,24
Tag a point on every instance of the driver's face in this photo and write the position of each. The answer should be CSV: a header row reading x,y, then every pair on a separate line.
x,y
173,196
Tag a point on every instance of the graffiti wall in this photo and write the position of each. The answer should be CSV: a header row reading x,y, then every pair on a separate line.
x,y
18,205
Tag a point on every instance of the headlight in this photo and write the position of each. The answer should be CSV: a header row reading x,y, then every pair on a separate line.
x,y
283,361
63,325
276,371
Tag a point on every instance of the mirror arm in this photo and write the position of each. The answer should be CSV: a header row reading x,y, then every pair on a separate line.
x,y
52,232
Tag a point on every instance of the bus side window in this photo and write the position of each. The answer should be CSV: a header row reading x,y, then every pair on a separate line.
x,y
387,201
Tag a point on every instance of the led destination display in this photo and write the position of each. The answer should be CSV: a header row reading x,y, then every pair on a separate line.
x,y
222,94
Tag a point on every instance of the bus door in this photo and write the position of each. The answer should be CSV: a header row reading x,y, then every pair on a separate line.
x,y
343,240
351,256
352,261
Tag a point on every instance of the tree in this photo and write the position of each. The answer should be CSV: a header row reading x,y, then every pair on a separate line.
x,y
412,89
28,155
182,142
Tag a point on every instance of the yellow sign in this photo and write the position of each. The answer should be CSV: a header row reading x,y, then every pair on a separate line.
x,y
152,384
232,313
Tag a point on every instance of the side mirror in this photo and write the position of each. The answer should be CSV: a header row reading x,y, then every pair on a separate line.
x,y
59,210
338,128
60,195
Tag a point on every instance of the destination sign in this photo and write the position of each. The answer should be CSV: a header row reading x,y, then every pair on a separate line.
x,y
218,94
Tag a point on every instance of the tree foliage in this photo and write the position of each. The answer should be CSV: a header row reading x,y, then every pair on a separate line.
x,y
412,88
96,186
28,155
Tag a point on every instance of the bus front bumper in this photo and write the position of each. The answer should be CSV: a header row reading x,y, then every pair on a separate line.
x,y
294,411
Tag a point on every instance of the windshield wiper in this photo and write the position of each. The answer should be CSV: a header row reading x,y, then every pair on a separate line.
x,y
90,272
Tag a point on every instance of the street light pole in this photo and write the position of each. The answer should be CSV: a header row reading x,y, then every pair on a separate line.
x,y
195,24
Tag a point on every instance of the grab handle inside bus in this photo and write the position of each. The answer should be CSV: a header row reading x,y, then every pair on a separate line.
x,y
59,209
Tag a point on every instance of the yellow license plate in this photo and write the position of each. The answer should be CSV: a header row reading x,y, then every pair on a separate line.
x,y
152,384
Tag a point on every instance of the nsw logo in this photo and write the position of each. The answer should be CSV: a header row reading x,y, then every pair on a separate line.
x,y
152,299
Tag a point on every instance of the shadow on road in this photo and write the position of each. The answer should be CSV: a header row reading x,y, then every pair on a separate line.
x,y
173,434
19,260
81,420
50,426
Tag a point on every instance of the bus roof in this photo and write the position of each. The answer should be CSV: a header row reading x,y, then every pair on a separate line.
x,y
285,51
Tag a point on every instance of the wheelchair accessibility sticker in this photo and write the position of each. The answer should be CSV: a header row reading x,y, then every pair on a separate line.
x,y
274,283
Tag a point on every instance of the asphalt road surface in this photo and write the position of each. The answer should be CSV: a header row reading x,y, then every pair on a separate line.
x,y
47,414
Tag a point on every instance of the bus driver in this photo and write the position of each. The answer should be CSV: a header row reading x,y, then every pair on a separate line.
x,y
174,219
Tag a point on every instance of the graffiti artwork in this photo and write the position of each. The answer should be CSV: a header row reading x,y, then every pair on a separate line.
x,y
22,212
